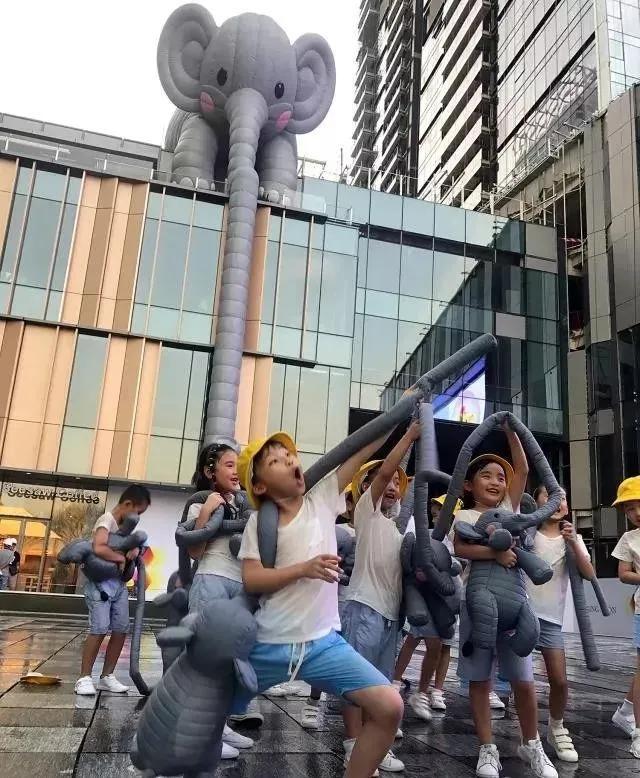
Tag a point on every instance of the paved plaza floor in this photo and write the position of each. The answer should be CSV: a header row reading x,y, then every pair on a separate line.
x,y
48,731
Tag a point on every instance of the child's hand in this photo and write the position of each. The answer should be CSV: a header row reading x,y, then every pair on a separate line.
x,y
133,554
506,558
214,501
506,427
568,532
414,430
323,567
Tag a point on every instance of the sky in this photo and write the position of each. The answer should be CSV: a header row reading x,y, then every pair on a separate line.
x,y
92,65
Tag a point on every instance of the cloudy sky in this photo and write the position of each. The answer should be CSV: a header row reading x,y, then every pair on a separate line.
x,y
92,64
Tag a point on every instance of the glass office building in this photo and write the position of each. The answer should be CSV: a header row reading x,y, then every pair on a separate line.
x,y
108,294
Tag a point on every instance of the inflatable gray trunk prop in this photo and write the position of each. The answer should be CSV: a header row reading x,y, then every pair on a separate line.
x,y
180,729
496,596
347,552
244,92
400,412
136,633
94,567
176,601
430,591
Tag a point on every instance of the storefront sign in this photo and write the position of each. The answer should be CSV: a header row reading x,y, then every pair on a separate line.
x,y
50,493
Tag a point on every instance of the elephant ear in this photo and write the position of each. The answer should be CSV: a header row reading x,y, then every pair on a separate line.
x,y
316,83
183,42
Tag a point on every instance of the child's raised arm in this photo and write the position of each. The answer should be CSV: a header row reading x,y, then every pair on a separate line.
x,y
392,462
520,467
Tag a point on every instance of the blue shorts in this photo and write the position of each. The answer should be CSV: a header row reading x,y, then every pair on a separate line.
x,y
550,635
429,631
479,666
207,587
636,631
109,616
373,637
329,664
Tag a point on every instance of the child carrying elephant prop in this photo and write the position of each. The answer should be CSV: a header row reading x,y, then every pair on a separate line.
x,y
430,592
96,569
243,93
496,596
180,729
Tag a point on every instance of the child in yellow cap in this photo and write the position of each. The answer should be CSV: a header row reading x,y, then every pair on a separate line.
x,y
298,620
627,552
371,614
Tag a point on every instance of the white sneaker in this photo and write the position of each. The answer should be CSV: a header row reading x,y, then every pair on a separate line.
x,y
419,704
399,734
235,739
348,748
229,752
391,763
436,699
289,689
626,723
560,740
310,717
109,683
635,743
85,687
495,703
533,754
488,761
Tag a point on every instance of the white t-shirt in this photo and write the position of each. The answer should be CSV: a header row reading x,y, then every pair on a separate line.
x,y
628,550
307,609
376,580
471,516
549,599
106,521
343,591
411,527
217,559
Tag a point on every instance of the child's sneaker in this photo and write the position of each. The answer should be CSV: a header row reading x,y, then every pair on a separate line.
x,y
109,683
533,754
391,763
348,748
626,723
419,704
310,717
229,752
635,743
84,686
488,761
559,739
436,699
235,739
289,689
495,703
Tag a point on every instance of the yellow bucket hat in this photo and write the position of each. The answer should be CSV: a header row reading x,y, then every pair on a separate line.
x,y
362,473
628,490
251,451
440,501
506,466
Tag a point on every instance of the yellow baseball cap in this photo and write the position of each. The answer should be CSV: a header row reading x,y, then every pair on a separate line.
x,y
506,466
628,490
250,452
440,501
362,473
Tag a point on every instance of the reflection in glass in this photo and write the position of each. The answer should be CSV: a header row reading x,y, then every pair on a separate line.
x,y
163,460
449,223
49,185
334,350
188,461
386,210
286,341
338,414
383,266
291,284
296,231
29,302
13,236
341,240
448,272
145,266
208,215
276,397
170,263
86,382
163,322
312,409
171,393
177,209
379,349
202,268
381,304
417,216
39,241
197,395
75,450
416,271
338,294
269,282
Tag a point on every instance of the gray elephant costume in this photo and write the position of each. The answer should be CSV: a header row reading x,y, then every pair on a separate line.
x,y
181,726
243,92
98,570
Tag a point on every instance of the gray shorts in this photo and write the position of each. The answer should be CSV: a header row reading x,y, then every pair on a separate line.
x,y
109,616
429,631
479,666
207,587
372,636
550,635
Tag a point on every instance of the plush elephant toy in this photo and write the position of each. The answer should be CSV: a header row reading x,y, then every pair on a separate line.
x,y
496,597
243,92
430,591
180,730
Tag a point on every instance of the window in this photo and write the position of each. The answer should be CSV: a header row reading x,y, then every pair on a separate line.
x,y
416,271
386,210
383,266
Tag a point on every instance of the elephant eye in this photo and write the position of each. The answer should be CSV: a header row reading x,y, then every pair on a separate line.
x,y
279,90
222,76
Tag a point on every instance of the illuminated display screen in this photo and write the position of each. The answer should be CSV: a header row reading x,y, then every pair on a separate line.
x,y
464,400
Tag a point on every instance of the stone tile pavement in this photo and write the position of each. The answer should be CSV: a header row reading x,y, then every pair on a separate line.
x,y
48,731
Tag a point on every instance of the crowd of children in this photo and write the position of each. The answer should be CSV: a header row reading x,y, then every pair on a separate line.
x,y
342,639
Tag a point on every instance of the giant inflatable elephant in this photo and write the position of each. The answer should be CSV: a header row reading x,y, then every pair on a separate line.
x,y
180,729
243,92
